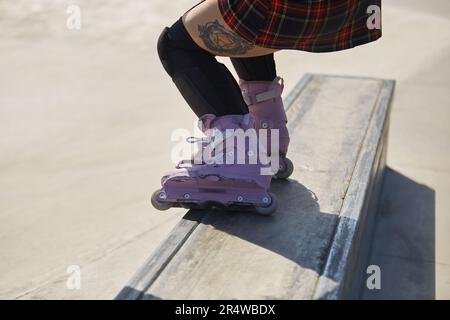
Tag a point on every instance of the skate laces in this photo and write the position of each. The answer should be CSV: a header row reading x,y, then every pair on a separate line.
x,y
197,139
212,141
190,162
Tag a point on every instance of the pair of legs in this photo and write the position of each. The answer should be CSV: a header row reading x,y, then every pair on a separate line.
x,y
188,48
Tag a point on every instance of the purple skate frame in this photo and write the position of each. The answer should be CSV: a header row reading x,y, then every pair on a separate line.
x,y
214,190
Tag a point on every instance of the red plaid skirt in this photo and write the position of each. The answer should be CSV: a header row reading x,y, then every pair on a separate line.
x,y
308,25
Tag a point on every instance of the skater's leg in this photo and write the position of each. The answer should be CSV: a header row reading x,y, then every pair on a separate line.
x,y
262,91
206,85
209,87
260,68
207,28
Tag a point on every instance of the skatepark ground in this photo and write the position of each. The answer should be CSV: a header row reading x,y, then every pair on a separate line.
x,y
85,123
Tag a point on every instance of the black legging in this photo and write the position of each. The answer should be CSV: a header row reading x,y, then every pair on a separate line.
x,y
255,69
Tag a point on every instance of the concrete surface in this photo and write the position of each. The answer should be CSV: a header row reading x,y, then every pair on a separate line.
x,y
313,241
85,122
404,245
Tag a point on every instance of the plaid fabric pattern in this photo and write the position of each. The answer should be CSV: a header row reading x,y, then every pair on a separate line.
x,y
308,25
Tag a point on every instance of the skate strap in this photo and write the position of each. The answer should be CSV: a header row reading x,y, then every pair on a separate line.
x,y
274,91
217,139
191,162
260,97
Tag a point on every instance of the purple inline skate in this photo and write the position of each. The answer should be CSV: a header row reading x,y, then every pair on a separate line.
x,y
266,107
231,174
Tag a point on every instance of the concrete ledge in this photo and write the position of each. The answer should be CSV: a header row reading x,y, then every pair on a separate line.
x,y
316,244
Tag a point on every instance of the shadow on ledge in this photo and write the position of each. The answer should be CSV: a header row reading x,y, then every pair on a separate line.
x,y
403,242
299,231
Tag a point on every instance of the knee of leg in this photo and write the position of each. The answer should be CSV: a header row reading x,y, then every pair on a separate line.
x,y
163,47
178,51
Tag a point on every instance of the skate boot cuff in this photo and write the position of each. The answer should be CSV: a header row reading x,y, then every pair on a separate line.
x,y
255,92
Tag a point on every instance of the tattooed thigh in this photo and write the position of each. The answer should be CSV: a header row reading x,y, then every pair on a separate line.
x,y
207,28
217,39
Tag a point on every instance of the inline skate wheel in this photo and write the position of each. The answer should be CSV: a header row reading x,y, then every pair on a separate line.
x,y
270,209
286,169
162,206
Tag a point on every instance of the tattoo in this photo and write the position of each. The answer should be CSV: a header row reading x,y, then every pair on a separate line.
x,y
217,39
